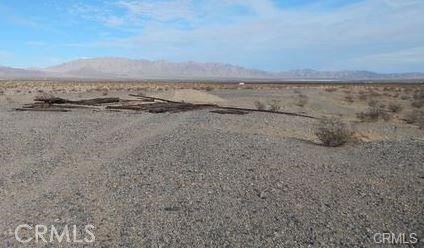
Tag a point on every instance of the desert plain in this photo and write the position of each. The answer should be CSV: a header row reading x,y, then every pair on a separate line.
x,y
204,179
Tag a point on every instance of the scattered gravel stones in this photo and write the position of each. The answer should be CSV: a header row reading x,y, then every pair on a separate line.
x,y
197,179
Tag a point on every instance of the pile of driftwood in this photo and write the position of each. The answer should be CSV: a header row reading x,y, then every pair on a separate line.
x,y
57,104
142,103
159,105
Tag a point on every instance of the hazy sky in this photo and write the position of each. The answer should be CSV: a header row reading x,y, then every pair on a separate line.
x,y
378,35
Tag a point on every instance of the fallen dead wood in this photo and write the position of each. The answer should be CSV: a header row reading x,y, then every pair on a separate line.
x,y
43,109
152,98
268,111
228,108
56,104
39,105
94,101
162,107
229,112
51,100
155,105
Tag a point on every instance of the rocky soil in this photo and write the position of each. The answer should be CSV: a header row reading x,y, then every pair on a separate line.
x,y
200,179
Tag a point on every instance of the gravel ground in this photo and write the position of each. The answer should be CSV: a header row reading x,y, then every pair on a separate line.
x,y
199,179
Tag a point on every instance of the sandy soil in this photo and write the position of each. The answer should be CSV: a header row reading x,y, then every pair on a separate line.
x,y
199,179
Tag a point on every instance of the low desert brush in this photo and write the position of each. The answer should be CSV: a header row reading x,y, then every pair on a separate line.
x,y
274,105
394,107
260,105
416,118
333,132
419,94
331,89
43,96
372,103
362,95
374,114
349,98
302,100
418,103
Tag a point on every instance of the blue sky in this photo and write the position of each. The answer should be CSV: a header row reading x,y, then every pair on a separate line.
x,y
377,35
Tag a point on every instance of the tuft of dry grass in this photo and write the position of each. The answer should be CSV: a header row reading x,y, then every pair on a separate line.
x,y
333,132
372,103
349,98
374,114
331,89
302,100
363,96
297,91
259,105
419,94
394,107
9,99
418,103
43,96
416,118
396,95
274,105
374,93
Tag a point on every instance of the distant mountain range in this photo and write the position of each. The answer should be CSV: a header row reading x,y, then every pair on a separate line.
x,y
123,68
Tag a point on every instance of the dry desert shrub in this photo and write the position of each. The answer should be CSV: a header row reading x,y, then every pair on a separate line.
x,y
372,103
394,107
9,100
349,98
418,98
363,96
208,88
374,114
302,100
419,94
274,105
404,97
416,118
374,93
297,91
43,96
333,132
259,105
418,103
331,89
